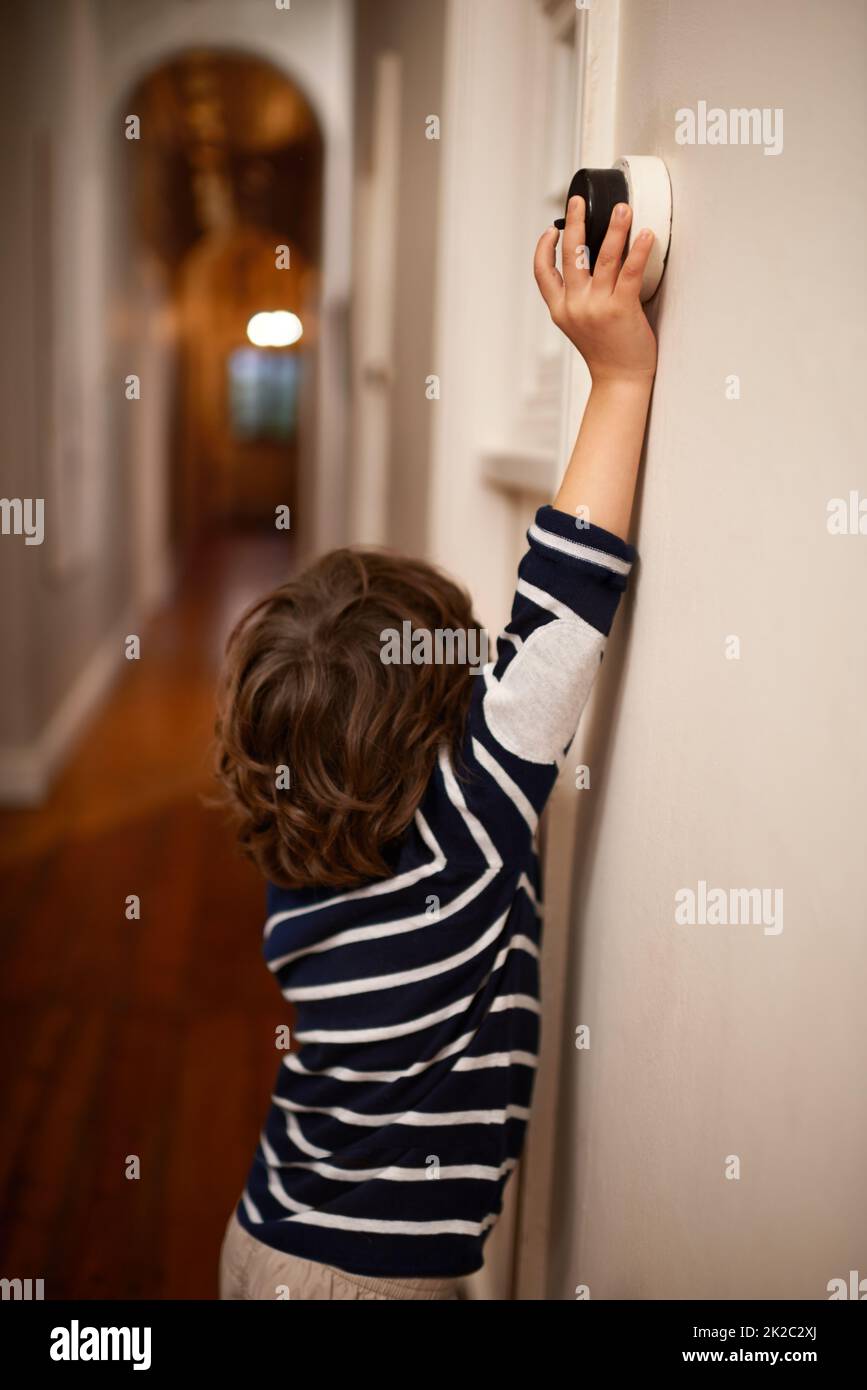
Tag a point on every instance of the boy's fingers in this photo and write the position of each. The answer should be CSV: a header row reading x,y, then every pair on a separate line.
x,y
611,251
629,280
548,277
576,261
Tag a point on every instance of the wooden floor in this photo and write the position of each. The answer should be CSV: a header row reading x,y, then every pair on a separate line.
x,y
152,1038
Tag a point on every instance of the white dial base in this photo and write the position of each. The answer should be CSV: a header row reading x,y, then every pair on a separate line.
x,y
650,200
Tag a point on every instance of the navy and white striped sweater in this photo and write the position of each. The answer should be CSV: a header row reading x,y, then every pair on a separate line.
x,y
392,1131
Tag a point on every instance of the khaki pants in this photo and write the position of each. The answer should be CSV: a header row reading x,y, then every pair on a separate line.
x,y
251,1270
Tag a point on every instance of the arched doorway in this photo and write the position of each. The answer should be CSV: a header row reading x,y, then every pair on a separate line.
x,y
225,212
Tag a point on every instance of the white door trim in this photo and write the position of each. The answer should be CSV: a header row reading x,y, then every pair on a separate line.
x,y
596,54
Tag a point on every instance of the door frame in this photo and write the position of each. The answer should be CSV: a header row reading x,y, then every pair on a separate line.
x,y
512,397
596,65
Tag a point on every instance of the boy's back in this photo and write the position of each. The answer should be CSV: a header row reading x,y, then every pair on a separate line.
x,y
393,1130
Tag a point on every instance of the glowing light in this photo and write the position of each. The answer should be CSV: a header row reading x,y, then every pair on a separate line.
x,y
274,328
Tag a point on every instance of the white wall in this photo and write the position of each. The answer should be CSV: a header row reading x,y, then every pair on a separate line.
x,y
399,83
487,308
60,634
708,1041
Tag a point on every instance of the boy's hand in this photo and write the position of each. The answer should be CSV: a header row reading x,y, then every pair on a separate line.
x,y
600,313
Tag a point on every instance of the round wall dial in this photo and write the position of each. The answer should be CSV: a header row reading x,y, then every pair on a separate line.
x,y
642,181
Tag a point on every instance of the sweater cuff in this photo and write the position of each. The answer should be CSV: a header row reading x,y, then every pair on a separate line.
x,y
557,535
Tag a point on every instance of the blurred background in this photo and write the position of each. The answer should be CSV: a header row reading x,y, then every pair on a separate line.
x,y
267,288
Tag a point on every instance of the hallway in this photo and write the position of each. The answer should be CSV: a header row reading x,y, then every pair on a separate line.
x,y
242,290
125,1045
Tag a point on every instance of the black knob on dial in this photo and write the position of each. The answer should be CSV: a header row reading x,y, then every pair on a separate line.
x,y
601,190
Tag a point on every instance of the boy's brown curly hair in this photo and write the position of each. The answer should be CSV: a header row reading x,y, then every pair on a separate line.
x,y
304,687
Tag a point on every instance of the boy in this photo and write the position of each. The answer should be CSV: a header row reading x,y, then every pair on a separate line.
x,y
403,885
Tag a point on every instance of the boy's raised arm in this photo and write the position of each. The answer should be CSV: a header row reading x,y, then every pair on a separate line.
x,y
577,565
602,315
